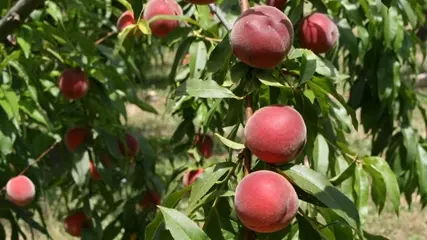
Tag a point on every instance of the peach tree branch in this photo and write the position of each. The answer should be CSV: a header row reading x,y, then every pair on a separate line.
x,y
16,16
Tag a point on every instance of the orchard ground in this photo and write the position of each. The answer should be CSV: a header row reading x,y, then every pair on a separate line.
x,y
410,225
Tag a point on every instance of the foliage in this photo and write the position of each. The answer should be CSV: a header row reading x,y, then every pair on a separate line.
x,y
372,62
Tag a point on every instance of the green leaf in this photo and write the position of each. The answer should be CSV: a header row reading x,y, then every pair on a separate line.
x,y
198,59
126,4
421,169
385,182
180,226
81,168
308,66
229,143
170,201
410,140
321,155
318,186
344,175
409,12
212,225
203,89
144,27
220,56
361,188
201,187
204,16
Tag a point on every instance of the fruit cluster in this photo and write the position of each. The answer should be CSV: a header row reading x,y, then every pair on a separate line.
x,y
261,37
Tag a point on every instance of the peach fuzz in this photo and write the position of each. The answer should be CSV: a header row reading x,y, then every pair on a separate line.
x,y
20,190
262,37
265,201
276,134
318,33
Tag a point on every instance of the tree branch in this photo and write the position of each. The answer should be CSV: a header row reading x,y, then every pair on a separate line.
x,y
220,16
16,16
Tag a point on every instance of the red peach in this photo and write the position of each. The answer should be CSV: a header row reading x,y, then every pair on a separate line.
x,y
73,83
186,59
75,137
191,176
132,146
125,20
20,190
201,2
318,33
74,223
275,134
151,199
205,144
262,37
94,172
279,4
161,28
265,201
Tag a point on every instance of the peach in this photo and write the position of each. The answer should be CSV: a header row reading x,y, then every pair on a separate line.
x,y
151,200
73,83
262,37
186,59
205,145
265,201
191,176
94,172
201,2
125,20
75,137
161,28
131,148
318,33
20,190
74,223
279,4
276,134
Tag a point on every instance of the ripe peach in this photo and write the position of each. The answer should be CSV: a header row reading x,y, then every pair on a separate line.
x,y
318,33
161,28
75,137
262,36
201,2
125,20
74,223
73,83
186,59
279,4
205,145
151,200
132,146
94,172
191,176
20,190
276,134
265,201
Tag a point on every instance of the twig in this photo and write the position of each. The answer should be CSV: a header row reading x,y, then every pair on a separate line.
x,y
220,16
99,41
16,16
37,160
